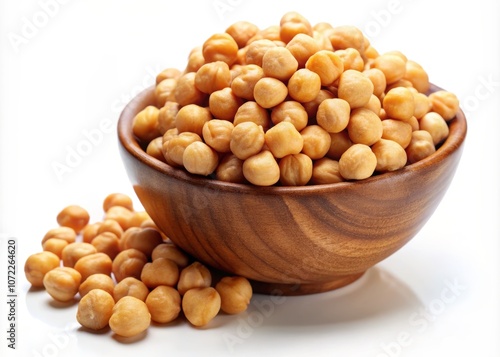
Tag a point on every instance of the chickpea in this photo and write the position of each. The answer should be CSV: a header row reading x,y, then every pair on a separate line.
x,y
130,286
97,263
199,158
252,112
295,170
304,85
172,252
351,59
195,60
54,245
327,65
355,88
95,309
107,243
322,40
62,283
284,139
247,139
261,169
230,169
333,115
256,50
73,216
217,134
364,127
343,37
97,281
174,148
326,171
201,305
90,231
235,294
164,91
128,263
293,23
155,149
370,52
224,104
279,63
374,104
422,105
110,225
415,125
38,265
302,47
191,118
186,91
357,163
74,251
166,74
242,31
269,92
164,304
120,214
436,126
401,83
166,116
398,103
244,83
117,199
161,271
390,155
420,147
397,130
292,112
393,66
377,77
340,142
212,77
312,106
316,140
271,33
130,317
64,233
195,275
445,104
220,47
139,218
417,76
145,124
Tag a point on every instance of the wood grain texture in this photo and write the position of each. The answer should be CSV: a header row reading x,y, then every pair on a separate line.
x,y
290,240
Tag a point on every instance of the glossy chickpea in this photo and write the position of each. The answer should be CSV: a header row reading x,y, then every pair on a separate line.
x,y
333,115
74,216
364,127
357,163
340,142
252,112
436,126
393,67
110,225
186,91
166,74
166,116
327,65
161,271
292,112
213,76
145,124
326,171
128,263
235,294
312,106
230,169
304,85
377,77
172,252
295,170
444,103
164,304
224,104
97,281
316,141
417,76
351,59
130,286
62,283
107,243
64,233
173,150
220,47
242,31
199,158
95,309
261,169
90,231
191,118
256,50
244,83
74,251
117,199
247,139
165,91
217,134
269,92
120,214
422,104
155,149
130,317
55,246
38,265
195,60
355,88
284,139
343,37
195,275
201,305
302,47
390,155
397,130
279,63
420,147
97,263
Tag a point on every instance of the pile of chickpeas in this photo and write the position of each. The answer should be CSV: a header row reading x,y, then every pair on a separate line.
x,y
124,272
293,104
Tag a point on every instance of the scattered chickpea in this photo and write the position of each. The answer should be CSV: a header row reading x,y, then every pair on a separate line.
x,y
121,214
171,252
128,263
142,239
107,243
201,305
38,265
64,233
74,251
130,286
195,275
235,294
62,283
161,271
130,316
117,199
54,245
393,67
327,64
110,225
242,31
74,216
90,232
164,304
97,281
302,46
95,309
97,263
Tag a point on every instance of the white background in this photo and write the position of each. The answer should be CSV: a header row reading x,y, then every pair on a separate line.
x,y
84,60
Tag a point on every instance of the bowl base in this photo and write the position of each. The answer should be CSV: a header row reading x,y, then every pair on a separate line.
x,y
303,289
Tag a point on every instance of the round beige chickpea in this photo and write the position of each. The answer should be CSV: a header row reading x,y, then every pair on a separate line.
x,y
161,271
217,134
195,275
393,67
55,246
128,263
186,91
251,111
293,23
164,91
417,76
64,233
62,283
327,65
347,36
357,163
436,126
117,199
242,31
107,243
95,309
164,304
90,231
74,251
110,225
145,124
230,169
390,155
166,116
326,171
73,216
340,143
130,317
355,88
154,149
235,294
191,118
38,265
333,115
220,47
200,159
365,127
304,85
261,169
284,139
399,103
302,46
351,59
445,104
256,50
130,286
316,141
244,83
172,252
420,147
269,92
174,148
201,305
295,170
247,139
422,104
279,63
224,104
212,77
97,281
397,130
291,111
97,263
311,107
142,239
377,77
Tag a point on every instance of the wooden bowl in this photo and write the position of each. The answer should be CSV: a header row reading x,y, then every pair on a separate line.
x,y
289,240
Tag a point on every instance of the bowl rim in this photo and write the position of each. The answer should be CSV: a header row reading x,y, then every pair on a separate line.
x,y
455,139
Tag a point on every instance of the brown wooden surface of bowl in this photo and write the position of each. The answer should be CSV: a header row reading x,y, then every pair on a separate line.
x,y
289,240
